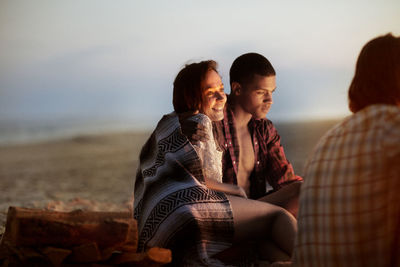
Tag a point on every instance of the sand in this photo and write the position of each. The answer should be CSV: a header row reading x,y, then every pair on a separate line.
x,y
100,168
98,171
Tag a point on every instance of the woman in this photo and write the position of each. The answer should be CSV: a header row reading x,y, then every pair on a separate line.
x,y
349,211
180,202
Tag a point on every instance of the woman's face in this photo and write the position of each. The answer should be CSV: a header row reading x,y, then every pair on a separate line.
x,y
213,96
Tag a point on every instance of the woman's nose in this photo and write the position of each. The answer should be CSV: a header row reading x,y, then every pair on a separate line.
x,y
220,95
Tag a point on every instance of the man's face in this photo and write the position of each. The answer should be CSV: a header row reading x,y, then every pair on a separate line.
x,y
256,96
213,96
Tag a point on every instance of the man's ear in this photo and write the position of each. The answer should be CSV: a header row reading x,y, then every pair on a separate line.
x,y
236,88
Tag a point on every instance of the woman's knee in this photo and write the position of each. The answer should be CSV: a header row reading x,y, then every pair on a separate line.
x,y
284,230
255,219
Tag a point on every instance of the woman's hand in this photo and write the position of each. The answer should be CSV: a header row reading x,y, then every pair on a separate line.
x,y
241,192
230,189
194,131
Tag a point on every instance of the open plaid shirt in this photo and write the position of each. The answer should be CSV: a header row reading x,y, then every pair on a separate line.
x,y
349,212
271,171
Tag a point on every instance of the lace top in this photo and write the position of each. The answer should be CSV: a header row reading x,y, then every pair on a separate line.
x,y
209,155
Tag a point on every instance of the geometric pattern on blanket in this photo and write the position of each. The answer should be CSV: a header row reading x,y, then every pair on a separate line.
x,y
171,143
172,205
173,201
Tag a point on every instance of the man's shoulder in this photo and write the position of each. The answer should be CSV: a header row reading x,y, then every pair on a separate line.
x,y
264,124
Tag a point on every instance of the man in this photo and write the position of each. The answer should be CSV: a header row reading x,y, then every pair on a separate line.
x,y
253,156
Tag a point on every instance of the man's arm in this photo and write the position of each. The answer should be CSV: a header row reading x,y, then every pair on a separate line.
x,y
280,172
279,169
287,197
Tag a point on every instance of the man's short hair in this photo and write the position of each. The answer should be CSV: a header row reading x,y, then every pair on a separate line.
x,y
377,75
247,65
187,94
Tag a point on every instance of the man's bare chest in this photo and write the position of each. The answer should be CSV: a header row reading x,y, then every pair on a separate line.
x,y
246,152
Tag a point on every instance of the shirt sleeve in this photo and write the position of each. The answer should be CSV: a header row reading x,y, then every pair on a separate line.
x,y
391,142
279,170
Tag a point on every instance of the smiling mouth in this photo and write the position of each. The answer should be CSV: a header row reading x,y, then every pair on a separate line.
x,y
218,109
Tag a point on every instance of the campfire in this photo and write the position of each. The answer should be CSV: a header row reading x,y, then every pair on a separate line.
x,y
74,233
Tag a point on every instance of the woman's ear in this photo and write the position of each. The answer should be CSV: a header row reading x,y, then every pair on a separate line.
x,y
236,88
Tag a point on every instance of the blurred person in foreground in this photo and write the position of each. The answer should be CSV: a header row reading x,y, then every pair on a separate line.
x,y
180,200
253,157
349,212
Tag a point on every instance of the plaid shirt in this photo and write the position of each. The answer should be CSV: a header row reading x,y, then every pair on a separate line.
x,y
271,170
349,212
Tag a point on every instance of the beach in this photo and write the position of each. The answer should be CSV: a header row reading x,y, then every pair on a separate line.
x,y
97,171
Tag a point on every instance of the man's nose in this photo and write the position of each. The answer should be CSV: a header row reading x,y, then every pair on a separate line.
x,y
268,97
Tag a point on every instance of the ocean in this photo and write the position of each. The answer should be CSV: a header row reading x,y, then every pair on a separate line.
x,y
14,132
298,137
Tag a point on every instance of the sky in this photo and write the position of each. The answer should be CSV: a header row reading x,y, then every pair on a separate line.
x,y
116,60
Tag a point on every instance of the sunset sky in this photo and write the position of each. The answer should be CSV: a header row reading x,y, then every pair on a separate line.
x,y
117,59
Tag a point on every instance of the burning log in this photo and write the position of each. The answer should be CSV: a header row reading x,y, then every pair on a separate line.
x,y
152,257
32,227
82,237
55,255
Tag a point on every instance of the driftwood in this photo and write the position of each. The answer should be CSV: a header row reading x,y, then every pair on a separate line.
x,y
53,238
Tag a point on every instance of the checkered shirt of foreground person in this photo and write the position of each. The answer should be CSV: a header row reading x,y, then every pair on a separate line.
x,y
349,211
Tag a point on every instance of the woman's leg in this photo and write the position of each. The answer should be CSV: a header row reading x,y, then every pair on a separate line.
x,y
265,223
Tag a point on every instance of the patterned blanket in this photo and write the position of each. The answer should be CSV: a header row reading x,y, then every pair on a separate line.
x,y
173,207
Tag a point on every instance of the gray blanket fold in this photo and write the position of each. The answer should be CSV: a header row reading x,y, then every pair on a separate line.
x,y
173,207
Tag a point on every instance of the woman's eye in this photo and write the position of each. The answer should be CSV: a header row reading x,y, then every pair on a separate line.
x,y
209,94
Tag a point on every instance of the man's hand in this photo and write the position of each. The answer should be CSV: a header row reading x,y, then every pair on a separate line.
x,y
193,130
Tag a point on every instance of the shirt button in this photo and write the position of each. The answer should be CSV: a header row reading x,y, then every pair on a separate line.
x,y
258,162
230,143
226,145
255,143
234,162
